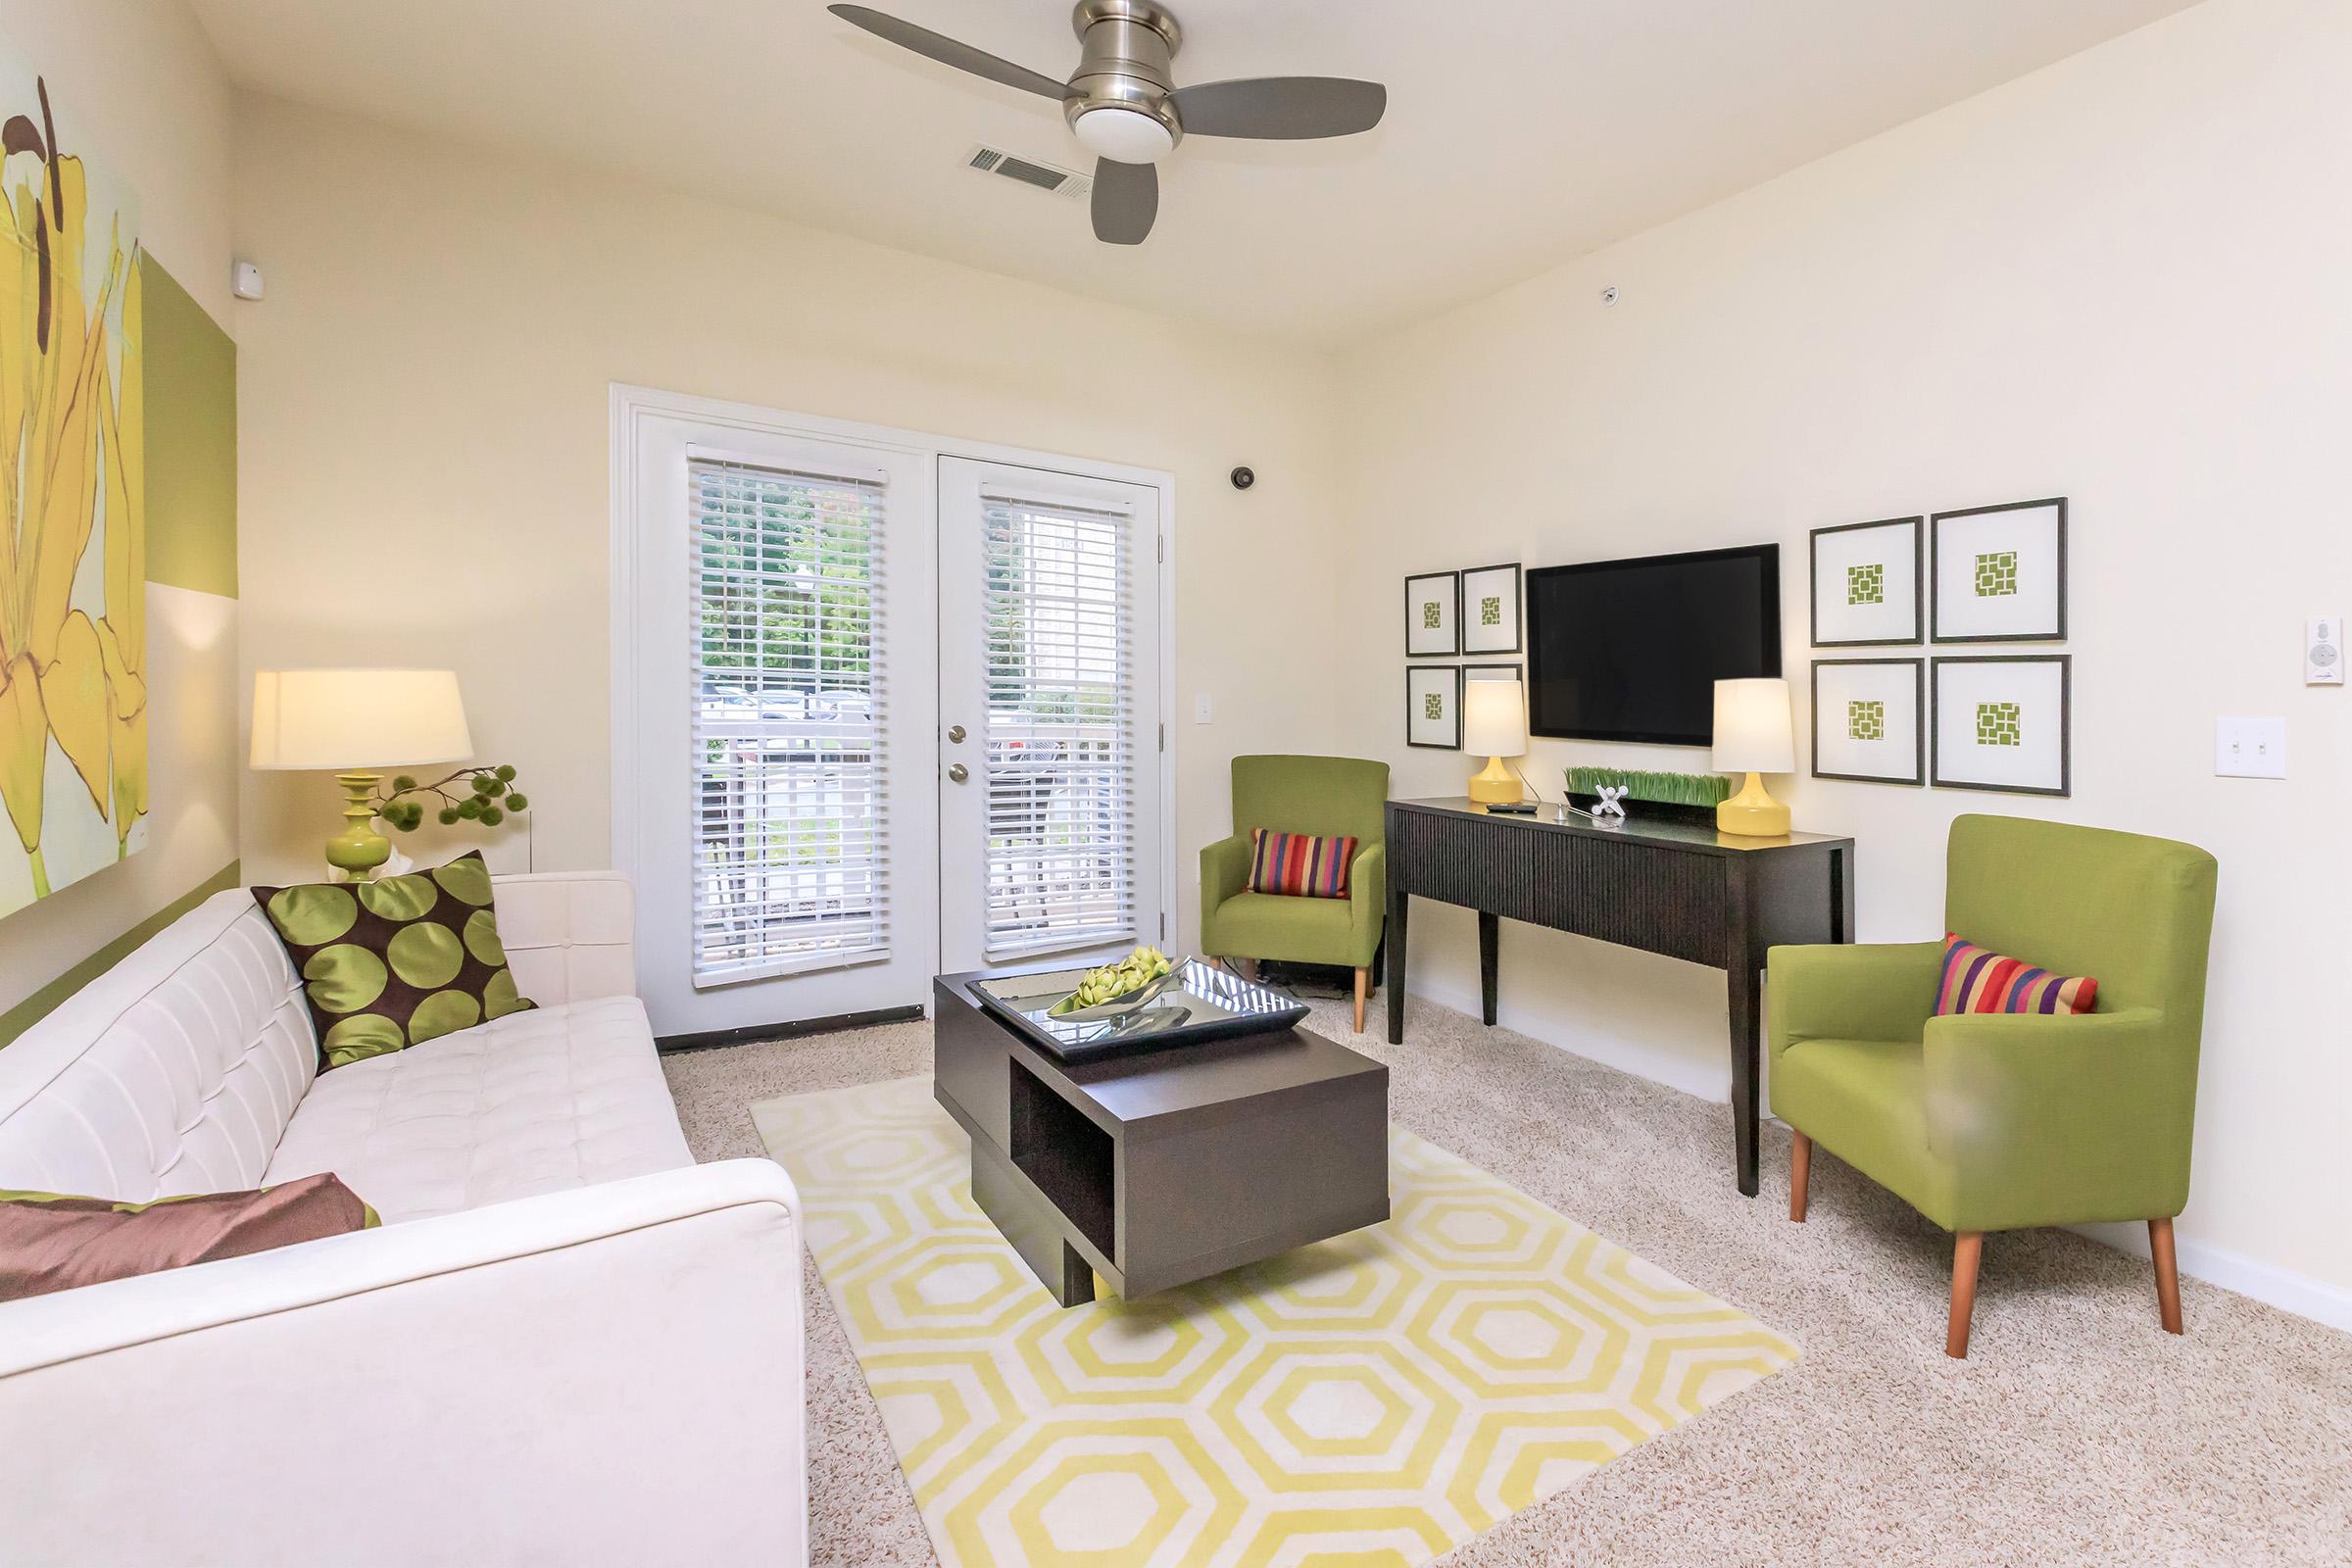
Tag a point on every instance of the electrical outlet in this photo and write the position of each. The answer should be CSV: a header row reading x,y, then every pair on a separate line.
x,y
2249,747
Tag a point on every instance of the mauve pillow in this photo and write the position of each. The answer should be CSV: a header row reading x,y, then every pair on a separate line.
x,y
53,1242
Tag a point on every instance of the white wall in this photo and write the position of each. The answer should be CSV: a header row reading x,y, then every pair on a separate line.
x,y
425,473
2126,279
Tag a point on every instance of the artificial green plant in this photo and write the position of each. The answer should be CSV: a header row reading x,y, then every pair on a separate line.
x,y
486,795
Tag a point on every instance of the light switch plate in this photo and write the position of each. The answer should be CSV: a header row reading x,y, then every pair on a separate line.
x,y
2249,747
1200,708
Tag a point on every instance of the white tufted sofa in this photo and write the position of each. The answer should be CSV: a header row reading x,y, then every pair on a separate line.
x,y
568,1342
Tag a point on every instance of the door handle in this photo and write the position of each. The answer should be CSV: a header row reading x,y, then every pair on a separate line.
x,y
959,773
956,733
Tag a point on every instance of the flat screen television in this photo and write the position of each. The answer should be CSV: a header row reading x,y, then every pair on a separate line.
x,y
1632,649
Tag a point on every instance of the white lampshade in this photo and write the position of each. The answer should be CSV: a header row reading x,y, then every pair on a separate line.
x,y
1493,718
350,721
1752,729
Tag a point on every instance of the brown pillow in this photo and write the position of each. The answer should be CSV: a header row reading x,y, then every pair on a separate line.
x,y
52,1243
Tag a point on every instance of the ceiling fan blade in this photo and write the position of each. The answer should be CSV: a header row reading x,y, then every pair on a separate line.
x,y
1126,200
1281,108
948,52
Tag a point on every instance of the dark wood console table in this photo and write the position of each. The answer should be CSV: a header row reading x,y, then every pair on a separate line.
x,y
1679,889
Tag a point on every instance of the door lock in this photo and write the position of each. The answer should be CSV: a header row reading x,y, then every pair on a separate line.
x,y
956,733
959,773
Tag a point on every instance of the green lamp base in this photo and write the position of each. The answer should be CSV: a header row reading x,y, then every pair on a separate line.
x,y
359,848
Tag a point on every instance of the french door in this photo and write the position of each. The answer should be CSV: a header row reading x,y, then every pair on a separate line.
x,y
775,795
1050,813
879,712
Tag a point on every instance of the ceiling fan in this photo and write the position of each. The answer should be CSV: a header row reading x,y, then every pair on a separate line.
x,y
1128,111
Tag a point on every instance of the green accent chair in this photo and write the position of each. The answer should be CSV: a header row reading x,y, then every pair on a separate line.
x,y
2001,1121
1320,794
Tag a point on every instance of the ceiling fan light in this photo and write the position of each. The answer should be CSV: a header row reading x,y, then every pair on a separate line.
x,y
1124,135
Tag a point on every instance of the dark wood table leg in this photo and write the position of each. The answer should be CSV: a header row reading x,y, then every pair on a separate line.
x,y
1841,917
1395,978
1747,1012
1744,981
1489,962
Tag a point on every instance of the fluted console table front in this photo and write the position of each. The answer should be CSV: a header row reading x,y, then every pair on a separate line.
x,y
1676,888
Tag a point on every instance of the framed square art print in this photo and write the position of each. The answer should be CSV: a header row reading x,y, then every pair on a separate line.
x,y
1433,606
1998,575
1867,719
1490,609
2002,723
1433,707
1866,584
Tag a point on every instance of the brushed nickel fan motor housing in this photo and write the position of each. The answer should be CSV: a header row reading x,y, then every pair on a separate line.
x,y
1127,48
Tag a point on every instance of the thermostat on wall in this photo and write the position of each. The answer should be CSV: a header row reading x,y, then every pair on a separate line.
x,y
2324,650
245,281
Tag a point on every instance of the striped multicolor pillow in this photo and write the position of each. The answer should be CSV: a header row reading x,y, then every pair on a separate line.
x,y
1978,980
1299,865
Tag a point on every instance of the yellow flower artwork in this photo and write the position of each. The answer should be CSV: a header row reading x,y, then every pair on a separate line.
x,y
73,543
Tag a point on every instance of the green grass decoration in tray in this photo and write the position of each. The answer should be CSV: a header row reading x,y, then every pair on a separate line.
x,y
1665,788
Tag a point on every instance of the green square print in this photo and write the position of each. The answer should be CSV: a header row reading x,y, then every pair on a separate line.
x,y
1866,585
1490,610
1865,721
1431,615
1433,705
2001,724
1996,575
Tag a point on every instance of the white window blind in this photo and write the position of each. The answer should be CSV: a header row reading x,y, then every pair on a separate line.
x,y
1058,612
789,828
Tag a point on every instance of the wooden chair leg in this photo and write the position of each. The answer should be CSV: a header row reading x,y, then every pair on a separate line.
x,y
1363,989
2168,1275
1967,1248
1801,1173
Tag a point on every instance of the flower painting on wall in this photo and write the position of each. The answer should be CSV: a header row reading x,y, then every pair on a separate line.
x,y
73,544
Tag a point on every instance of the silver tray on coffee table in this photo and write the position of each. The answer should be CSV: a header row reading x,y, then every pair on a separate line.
x,y
1203,1004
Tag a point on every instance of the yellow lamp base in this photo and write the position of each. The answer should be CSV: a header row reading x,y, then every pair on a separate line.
x,y
1752,814
1496,785
359,848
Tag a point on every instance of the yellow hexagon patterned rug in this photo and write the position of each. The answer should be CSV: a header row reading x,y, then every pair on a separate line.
x,y
1377,1399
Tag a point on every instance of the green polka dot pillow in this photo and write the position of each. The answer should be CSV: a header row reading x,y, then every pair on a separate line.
x,y
392,963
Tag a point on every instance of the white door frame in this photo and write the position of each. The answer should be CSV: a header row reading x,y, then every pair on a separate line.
x,y
632,403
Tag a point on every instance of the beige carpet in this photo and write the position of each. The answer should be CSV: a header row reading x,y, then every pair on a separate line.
x,y
2076,1432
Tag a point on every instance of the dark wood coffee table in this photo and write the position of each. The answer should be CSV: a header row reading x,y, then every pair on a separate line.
x,y
1166,1166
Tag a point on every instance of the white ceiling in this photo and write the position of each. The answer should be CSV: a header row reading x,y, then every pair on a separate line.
x,y
1519,132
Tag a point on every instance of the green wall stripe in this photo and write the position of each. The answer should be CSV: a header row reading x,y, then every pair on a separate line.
x,y
191,367
33,1009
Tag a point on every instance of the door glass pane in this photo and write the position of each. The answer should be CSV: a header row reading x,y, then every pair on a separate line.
x,y
1061,743
789,830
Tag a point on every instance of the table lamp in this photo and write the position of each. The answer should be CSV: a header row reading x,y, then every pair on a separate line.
x,y
1752,736
1494,726
350,723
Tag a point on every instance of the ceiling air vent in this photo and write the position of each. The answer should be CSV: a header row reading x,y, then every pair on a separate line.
x,y
1028,171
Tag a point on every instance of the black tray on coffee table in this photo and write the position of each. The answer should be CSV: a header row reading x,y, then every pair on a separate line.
x,y
1207,1003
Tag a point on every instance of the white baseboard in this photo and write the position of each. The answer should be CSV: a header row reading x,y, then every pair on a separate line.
x,y
2283,1289
2280,1288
